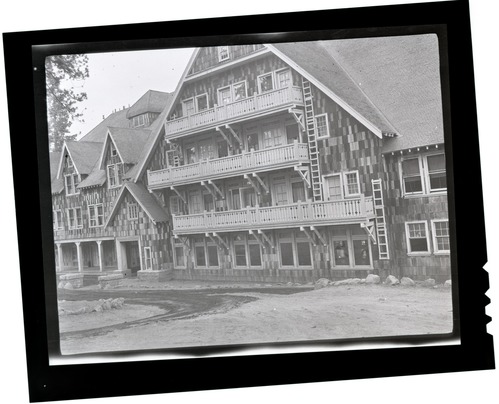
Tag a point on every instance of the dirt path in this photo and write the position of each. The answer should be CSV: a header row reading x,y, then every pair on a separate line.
x,y
354,311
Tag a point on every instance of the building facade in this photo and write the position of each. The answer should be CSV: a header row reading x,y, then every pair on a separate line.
x,y
272,163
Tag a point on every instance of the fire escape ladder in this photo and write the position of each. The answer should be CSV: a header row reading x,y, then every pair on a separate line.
x,y
379,211
312,141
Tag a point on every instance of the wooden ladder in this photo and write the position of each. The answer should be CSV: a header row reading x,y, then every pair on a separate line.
x,y
379,211
312,142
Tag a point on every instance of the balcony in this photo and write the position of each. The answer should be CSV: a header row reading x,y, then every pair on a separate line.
x,y
258,104
239,164
343,211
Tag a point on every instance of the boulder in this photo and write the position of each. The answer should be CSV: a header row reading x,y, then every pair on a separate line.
x,y
405,281
448,283
68,285
322,283
351,281
391,280
429,283
373,279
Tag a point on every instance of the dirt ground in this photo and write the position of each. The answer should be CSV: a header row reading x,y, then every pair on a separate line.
x,y
334,312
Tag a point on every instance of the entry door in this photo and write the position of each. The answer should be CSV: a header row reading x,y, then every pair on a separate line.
x,y
133,256
280,193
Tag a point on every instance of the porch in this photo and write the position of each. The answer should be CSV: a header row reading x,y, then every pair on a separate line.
x,y
279,157
267,102
345,211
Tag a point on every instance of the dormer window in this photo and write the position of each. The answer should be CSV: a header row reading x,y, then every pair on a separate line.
x,y
69,161
71,181
115,175
223,53
139,120
113,151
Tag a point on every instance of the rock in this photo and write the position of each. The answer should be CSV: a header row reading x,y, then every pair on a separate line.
x,y
362,281
117,303
405,281
391,280
373,279
322,283
429,283
448,283
106,305
68,285
61,284
351,281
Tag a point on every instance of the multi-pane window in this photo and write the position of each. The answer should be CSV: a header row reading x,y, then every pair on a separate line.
x,y
322,125
115,174
224,96
132,211
417,237
188,107
239,90
298,191
333,187
202,102
424,174
441,238
74,218
294,250
139,120
352,186
361,254
247,252
266,82
223,53
147,258
96,215
341,252
175,205
57,220
206,253
283,78
71,182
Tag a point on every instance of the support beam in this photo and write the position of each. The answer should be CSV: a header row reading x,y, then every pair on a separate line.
x,y
369,228
217,190
222,241
185,242
304,172
229,141
79,256
99,250
298,115
255,235
265,187
319,235
257,190
236,136
309,235
179,194
267,239
211,191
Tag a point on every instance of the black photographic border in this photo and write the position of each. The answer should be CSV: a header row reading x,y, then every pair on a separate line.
x,y
26,98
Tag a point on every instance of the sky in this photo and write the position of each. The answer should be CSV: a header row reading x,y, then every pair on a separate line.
x,y
119,79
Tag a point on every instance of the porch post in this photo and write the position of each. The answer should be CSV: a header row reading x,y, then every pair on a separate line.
x,y
78,255
60,260
99,249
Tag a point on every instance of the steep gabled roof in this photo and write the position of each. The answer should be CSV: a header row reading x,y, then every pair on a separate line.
x,y
129,142
96,178
57,184
146,201
83,154
151,101
116,119
401,76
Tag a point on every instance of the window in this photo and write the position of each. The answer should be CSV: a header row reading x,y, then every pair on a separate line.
x,y
234,92
294,250
283,78
292,133
115,175
175,205
341,253
333,187
247,252
57,220
190,154
188,107
248,197
96,215
361,253
137,121
195,202
179,254
224,96
206,253
147,258
69,161
265,83
322,126
202,102
74,218
424,174
441,240
352,186
417,237
351,247
71,182
298,191
223,53
132,211
437,178
239,90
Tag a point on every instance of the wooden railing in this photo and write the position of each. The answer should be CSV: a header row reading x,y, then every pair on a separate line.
x,y
310,213
277,157
217,115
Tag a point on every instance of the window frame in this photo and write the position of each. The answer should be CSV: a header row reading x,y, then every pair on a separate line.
x,y
346,191
185,111
277,82
74,184
427,173
436,250
148,260
325,116
132,211
424,175
58,220
78,219
219,99
246,242
205,244
96,218
408,238
326,187
177,243
116,175
286,237
196,102
258,80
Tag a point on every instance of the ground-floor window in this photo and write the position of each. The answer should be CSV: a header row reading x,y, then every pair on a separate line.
x,y
351,247
147,258
441,237
205,253
417,237
179,253
295,250
247,252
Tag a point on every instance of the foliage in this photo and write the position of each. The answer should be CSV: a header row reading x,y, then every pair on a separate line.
x,y
63,96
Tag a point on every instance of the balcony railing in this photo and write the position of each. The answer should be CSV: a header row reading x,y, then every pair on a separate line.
x,y
219,114
298,214
276,157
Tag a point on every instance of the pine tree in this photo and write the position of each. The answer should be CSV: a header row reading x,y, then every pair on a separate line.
x,y
63,96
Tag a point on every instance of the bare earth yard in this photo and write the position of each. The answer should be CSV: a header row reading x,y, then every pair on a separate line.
x,y
336,312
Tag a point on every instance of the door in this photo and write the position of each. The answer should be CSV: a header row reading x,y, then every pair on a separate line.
x,y
133,256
